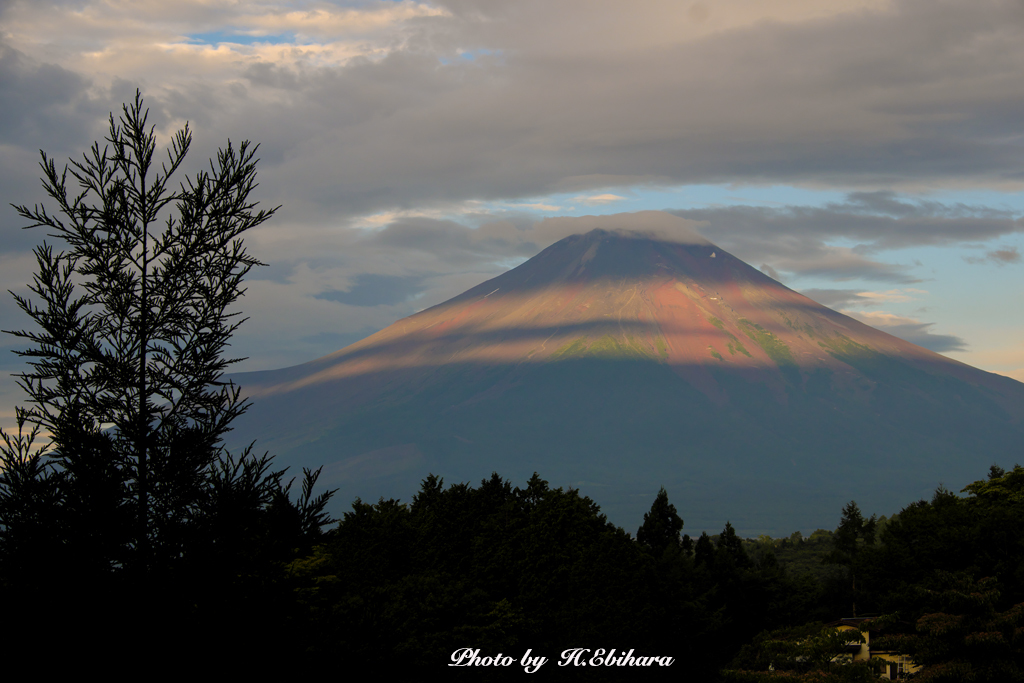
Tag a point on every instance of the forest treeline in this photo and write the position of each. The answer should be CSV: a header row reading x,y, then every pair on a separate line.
x,y
506,569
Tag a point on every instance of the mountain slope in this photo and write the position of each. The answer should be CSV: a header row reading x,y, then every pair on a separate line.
x,y
618,363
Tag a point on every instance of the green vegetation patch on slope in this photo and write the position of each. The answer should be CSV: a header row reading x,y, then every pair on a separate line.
x,y
878,366
637,346
842,347
715,354
662,348
610,347
772,345
775,348
605,347
797,326
736,344
866,359
574,349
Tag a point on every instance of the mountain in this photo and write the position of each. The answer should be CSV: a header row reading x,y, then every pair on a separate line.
x,y
617,363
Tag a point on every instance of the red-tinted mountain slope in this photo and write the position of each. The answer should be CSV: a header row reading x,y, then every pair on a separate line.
x,y
618,363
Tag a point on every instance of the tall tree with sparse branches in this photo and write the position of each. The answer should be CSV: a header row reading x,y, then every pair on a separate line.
x,y
853,534
126,357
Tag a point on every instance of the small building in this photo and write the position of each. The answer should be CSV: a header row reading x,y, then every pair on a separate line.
x,y
895,663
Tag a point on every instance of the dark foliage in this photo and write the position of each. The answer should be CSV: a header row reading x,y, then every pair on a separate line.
x,y
505,569
853,535
662,526
961,636
811,652
122,518
946,576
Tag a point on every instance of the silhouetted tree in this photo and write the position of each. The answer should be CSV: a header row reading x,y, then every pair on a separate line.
x,y
730,550
853,533
661,526
125,379
704,550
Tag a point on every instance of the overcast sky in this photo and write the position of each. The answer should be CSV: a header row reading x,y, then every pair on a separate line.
x,y
869,153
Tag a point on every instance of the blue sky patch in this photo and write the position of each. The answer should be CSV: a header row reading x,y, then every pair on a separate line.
x,y
218,37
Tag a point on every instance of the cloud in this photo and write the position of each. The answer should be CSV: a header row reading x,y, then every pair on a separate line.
x,y
795,239
882,319
834,298
890,296
910,329
537,206
598,199
370,289
455,242
658,224
368,107
905,327
999,257
327,22
42,104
